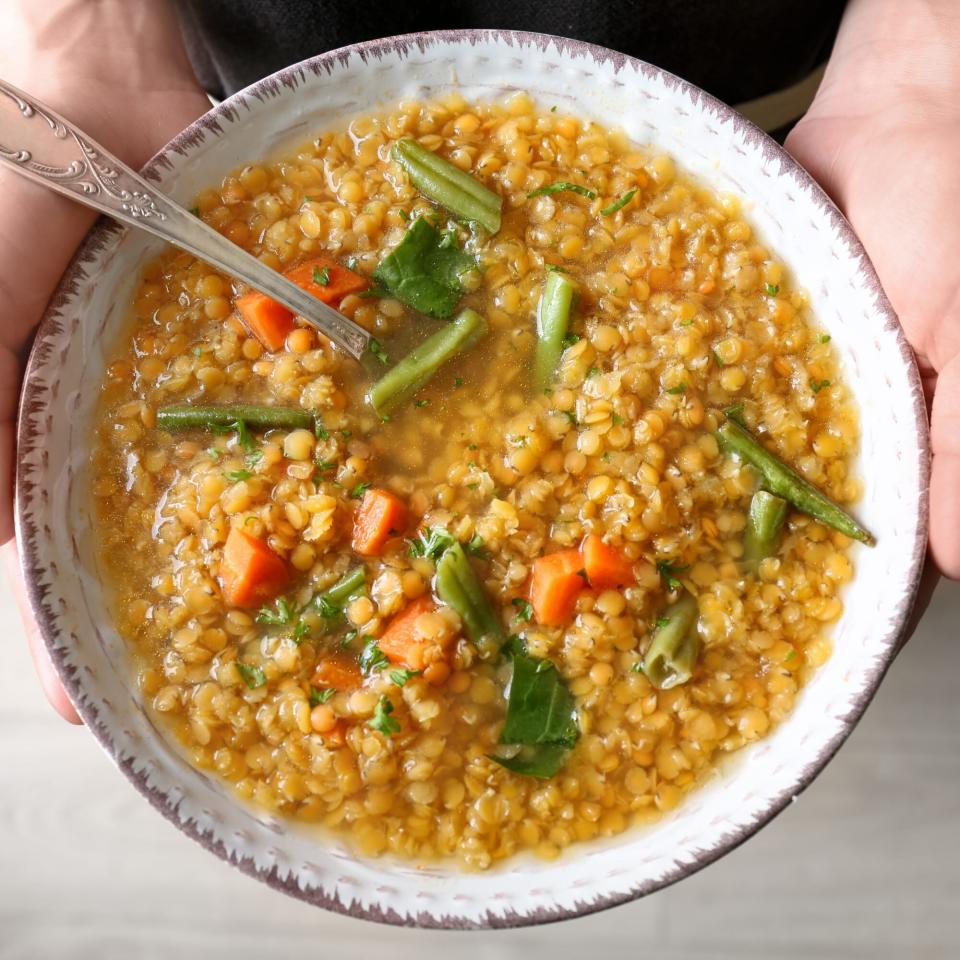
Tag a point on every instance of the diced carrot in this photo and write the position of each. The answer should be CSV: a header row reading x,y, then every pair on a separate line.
x,y
400,642
380,516
340,280
338,671
268,321
337,735
556,582
250,572
606,567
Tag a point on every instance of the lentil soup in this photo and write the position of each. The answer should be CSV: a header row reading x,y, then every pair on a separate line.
x,y
532,595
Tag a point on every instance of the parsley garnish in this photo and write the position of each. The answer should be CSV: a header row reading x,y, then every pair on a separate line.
x,y
475,546
668,570
560,186
327,608
400,677
282,615
817,385
321,277
300,631
661,622
824,338
524,608
570,338
320,430
678,389
372,658
359,490
376,350
431,542
346,434
571,416
735,413
243,437
592,372
252,676
616,420
637,667
320,696
237,475
555,268
773,289
348,638
381,721
619,204
422,403
458,382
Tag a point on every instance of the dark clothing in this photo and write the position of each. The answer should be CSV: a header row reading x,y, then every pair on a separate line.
x,y
735,49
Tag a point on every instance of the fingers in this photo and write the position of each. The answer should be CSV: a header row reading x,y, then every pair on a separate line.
x,y
945,480
48,678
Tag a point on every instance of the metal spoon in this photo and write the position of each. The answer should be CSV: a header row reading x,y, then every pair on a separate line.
x,y
39,144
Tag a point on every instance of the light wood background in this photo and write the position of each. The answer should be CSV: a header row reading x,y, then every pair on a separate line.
x,y
865,865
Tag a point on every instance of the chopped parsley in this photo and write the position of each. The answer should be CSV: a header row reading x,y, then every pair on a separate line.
x,y
592,372
637,667
283,614
300,630
661,622
458,382
321,276
570,338
559,187
773,289
668,571
524,608
359,490
318,696
555,268
824,338
431,543
678,389
320,430
376,350
619,204
735,413
817,385
475,546
381,721
372,658
616,420
346,434
571,417
400,677
327,608
252,676
236,476
422,403
244,438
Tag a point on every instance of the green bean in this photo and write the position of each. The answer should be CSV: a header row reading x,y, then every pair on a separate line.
x,y
781,480
449,186
353,582
188,416
418,366
764,522
459,587
553,321
675,647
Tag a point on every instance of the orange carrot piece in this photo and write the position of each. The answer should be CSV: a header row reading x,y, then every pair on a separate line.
x,y
339,672
380,516
556,582
336,736
250,572
268,321
340,280
606,567
399,642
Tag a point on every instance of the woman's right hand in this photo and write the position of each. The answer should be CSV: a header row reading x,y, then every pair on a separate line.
x,y
116,68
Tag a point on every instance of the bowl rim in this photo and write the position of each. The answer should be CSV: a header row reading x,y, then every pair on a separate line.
x,y
103,232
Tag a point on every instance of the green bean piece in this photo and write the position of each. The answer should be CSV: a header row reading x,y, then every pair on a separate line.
x,y
675,647
553,321
459,587
781,480
352,583
189,416
449,186
418,366
764,523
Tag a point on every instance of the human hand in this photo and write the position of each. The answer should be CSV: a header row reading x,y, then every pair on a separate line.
x,y
883,138
118,70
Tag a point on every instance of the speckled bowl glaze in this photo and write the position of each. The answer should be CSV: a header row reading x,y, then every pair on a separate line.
x,y
791,213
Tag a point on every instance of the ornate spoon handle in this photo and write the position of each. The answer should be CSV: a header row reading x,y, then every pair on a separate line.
x,y
41,145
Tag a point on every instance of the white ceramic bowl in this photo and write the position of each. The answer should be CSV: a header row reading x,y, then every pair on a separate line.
x,y
711,141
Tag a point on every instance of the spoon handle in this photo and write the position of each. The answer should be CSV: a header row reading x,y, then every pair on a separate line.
x,y
41,145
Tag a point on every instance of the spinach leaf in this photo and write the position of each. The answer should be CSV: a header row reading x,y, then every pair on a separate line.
x,y
540,708
543,760
424,270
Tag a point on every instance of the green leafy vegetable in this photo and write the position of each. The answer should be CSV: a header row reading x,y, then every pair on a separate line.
x,y
359,490
320,696
400,677
236,476
475,546
524,608
252,676
321,277
425,270
619,204
431,542
678,389
381,720
555,268
561,186
282,615
372,658
817,385
773,289
824,338
376,350
668,570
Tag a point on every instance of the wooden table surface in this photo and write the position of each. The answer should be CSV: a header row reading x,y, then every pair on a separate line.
x,y
865,865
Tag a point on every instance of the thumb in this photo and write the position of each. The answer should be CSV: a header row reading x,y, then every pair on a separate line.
x,y
945,478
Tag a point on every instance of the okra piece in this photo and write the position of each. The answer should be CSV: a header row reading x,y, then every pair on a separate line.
x,y
553,321
448,185
459,587
785,482
418,366
188,416
675,646
764,523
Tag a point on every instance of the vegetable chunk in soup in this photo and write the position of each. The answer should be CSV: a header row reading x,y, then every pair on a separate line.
x,y
572,532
